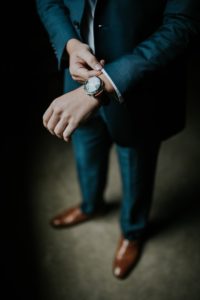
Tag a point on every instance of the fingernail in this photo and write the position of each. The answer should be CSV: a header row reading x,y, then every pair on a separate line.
x,y
98,67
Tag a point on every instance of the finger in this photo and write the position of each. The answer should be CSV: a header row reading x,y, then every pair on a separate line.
x,y
93,73
60,127
84,74
47,115
102,62
68,131
80,73
91,60
54,119
78,79
82,79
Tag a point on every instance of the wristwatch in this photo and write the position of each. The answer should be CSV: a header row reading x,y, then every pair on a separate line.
x,y
94,86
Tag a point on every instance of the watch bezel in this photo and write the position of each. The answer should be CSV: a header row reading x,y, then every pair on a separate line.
x,y
97,91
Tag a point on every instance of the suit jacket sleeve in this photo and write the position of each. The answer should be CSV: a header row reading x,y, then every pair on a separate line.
x,y
181,23
55,18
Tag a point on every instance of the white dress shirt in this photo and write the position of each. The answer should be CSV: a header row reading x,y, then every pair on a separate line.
x,y
88,32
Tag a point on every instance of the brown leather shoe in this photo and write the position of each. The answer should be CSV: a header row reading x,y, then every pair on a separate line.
x,y
70,217
126,257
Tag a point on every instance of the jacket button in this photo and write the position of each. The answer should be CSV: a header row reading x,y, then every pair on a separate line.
x,y
100,25
76,24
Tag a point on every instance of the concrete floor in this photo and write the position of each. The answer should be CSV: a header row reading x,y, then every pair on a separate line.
x,y
76,263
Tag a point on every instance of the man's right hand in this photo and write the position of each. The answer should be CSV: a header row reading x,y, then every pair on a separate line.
x,y
82,63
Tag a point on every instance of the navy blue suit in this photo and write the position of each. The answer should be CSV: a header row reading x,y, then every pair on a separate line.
x,y
145,45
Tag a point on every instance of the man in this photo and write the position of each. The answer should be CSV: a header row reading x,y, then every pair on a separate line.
x,y
124,81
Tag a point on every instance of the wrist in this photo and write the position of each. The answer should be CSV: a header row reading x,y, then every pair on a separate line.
x,y
95,101
94,88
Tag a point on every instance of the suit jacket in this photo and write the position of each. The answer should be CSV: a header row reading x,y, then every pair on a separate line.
x,y
145,44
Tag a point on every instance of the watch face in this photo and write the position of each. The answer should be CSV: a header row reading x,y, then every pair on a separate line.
x,y
93,84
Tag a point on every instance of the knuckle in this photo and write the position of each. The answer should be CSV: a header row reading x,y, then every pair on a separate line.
x,y
65,116
74,73
74,77
54,103
57,110
85,46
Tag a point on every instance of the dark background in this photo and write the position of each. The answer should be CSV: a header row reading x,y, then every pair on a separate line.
x,y
30,83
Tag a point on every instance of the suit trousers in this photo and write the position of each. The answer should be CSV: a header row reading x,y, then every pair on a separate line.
x,y
92,143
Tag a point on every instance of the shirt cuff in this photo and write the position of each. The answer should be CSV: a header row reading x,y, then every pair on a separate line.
x,y
118,95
